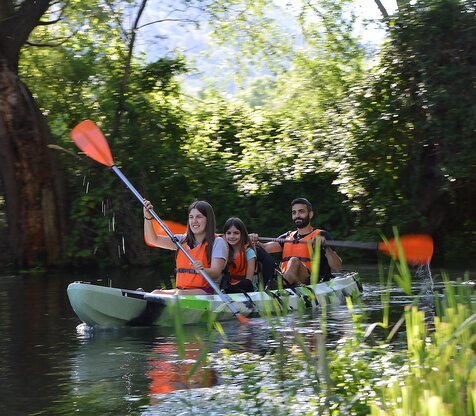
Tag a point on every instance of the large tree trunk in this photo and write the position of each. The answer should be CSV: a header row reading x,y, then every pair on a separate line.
x,y
31,180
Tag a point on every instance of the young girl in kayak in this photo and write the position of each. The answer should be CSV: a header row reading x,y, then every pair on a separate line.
x,y
242,258
210,252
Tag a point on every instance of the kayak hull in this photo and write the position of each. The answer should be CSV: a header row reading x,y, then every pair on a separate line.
x,y
108,307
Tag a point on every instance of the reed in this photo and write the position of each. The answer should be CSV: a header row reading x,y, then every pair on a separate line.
x,y
439,377
434,375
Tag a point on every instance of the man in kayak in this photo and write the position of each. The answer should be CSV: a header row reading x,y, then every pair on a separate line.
x,y
296,255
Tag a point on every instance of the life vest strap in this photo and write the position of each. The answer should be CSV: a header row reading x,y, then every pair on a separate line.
x,y
235,277
303,259
182,270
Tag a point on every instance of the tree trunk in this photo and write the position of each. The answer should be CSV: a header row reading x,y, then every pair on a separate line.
x,y
31,179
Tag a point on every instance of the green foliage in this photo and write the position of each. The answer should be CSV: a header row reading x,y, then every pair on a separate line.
x,y
441,372
392,148
81,78
251,29
434,374
160,74
414,148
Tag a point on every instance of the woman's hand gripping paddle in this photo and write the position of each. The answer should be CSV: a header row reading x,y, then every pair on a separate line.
x,y
87,136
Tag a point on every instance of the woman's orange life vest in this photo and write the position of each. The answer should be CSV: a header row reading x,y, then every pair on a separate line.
x,y
188,278
167,373
299,250
237,268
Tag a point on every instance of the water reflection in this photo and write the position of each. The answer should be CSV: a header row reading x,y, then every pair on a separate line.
x,y
167,371
137,366
48,366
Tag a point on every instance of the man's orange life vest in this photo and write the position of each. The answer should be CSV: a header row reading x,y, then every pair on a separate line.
x,y
237,268
299,250
188,278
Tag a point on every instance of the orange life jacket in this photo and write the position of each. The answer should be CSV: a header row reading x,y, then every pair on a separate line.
x,y
299,250
188,278
167,374
237,268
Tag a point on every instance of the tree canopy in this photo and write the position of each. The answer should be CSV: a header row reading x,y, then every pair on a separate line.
x,y
374,141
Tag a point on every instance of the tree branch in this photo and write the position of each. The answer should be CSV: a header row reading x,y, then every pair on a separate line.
x,y
127,70
16,28
382,8
167,20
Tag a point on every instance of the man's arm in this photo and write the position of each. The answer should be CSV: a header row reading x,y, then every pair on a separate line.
x,y
335,262
270,247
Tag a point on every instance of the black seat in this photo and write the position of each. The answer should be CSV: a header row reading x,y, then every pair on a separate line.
x,y
267,267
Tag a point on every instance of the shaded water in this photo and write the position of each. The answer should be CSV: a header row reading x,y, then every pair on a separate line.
x,y
50,364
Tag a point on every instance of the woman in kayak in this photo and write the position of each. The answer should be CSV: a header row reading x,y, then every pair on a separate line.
x,y
241,263
210,252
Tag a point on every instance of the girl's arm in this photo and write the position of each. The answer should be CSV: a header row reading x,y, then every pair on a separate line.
x,y
216,268
214,271
219,259
250,268
150,236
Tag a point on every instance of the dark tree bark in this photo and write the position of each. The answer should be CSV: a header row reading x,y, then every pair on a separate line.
x,y
31,179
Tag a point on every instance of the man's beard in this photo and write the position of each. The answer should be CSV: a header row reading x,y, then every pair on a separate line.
x,y
302,222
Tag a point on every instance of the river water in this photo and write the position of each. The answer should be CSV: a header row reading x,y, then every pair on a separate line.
x,y
50,364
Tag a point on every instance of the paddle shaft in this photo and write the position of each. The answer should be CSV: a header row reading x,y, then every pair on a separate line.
x,y
224,297
330,243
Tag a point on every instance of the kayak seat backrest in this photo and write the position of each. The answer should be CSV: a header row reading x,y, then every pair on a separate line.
x,y
266,266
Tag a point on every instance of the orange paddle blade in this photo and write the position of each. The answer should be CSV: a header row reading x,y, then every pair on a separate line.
x,y
174,227
242,319
417,249
87,136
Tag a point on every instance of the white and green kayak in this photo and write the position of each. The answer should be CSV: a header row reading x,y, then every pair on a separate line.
x,y
107,306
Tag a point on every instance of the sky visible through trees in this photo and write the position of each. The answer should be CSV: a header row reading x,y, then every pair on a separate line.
x,y
196,44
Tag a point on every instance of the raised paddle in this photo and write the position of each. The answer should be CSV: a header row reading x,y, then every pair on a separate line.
x,y
416,248
174,227
87,136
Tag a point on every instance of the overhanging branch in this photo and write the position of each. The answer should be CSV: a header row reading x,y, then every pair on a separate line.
x,y
382,9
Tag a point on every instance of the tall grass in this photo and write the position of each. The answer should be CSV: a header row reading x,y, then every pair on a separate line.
x,y
434,375
439,375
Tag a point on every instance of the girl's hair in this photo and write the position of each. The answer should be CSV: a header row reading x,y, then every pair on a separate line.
x,y
241,227
206,209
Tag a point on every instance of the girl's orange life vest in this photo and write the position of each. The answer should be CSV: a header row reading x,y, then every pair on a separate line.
x,y
188,278
299,250
237,268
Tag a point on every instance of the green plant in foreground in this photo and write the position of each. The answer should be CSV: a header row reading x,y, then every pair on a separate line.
x,y
434,375
440,374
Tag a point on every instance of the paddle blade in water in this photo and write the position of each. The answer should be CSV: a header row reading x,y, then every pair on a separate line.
x,y
417,249
174,227
87,136
242,319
